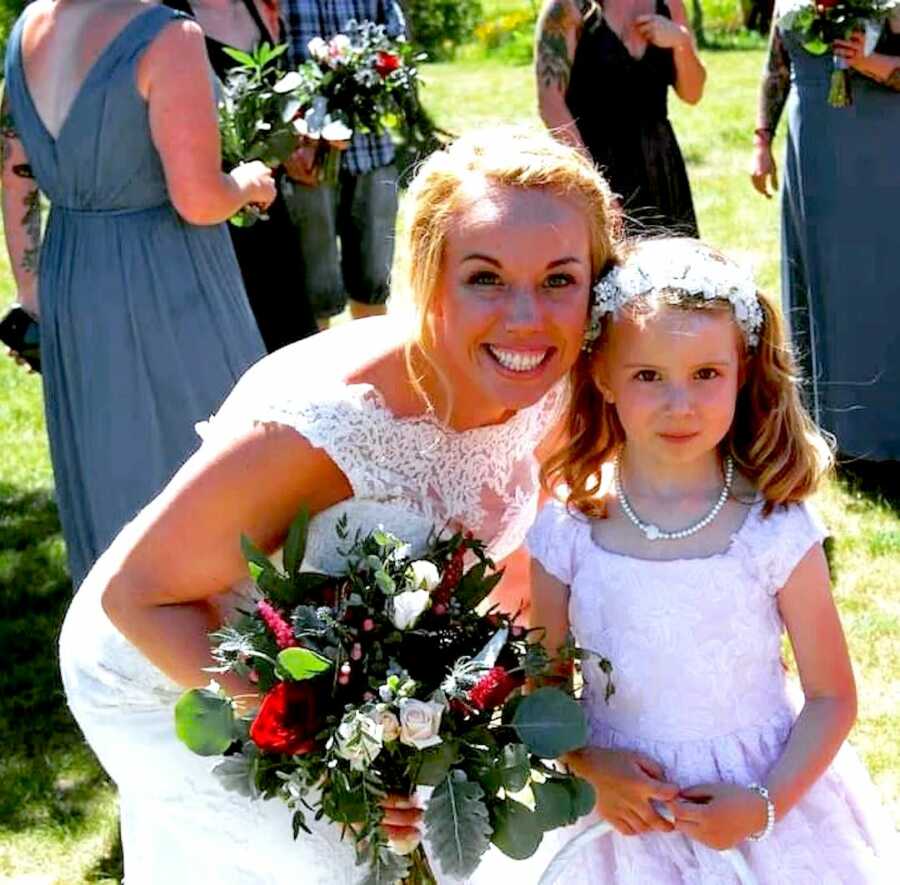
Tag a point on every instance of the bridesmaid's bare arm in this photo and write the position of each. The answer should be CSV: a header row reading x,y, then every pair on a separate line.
x,y
558,30
175,78
21,211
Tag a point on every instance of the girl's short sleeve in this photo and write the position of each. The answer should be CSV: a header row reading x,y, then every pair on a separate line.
x,y
551,541
785,538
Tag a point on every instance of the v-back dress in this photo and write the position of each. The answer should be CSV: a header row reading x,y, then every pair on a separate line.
x,y
840,266
620,105
409,475
145,325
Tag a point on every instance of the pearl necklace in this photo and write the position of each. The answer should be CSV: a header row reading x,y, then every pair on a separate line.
x,y
654,532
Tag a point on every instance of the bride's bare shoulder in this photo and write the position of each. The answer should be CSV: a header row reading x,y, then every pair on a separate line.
x,y
337,356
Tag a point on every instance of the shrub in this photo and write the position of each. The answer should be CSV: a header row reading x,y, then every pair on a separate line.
x,y
439,26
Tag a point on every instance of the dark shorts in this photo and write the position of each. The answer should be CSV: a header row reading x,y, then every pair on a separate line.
x,y
360,212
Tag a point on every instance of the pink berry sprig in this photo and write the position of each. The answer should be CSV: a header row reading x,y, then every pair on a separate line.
x,y
281,630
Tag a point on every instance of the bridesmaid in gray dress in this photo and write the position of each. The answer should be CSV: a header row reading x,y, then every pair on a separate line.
x,y
144,322
840,236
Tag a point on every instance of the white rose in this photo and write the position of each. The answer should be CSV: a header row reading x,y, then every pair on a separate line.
x,y
339,47
359,740
420,722
408,606
318,49
390,726
424,575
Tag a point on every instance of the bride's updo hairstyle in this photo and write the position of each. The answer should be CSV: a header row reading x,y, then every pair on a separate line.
x,y
508,156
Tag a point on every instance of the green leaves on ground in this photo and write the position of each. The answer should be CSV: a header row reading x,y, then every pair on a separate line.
x,y
458,825
550,723
204,721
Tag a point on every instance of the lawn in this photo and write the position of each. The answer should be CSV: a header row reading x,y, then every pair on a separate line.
x,y
57,811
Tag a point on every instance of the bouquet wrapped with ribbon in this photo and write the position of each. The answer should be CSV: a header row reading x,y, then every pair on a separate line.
x,y
819,23
384,679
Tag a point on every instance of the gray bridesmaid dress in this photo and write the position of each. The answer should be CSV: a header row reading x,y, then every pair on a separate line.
x,y
841,251
145,325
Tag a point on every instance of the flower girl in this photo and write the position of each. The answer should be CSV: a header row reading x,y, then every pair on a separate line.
x,y
684,574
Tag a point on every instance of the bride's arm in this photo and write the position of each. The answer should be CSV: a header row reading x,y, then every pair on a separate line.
x,y
159,578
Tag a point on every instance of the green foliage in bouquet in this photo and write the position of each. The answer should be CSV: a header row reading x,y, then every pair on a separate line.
x,y
256,114
387,678
818,23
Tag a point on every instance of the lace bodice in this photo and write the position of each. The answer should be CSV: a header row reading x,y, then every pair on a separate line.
x,y
411,475
695,643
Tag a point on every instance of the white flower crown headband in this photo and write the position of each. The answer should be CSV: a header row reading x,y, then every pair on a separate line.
x,y
682,266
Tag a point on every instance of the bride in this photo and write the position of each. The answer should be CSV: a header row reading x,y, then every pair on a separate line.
x,y
408,425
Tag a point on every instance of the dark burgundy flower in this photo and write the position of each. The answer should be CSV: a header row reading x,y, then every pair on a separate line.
x,y
288,718
386,63
494,688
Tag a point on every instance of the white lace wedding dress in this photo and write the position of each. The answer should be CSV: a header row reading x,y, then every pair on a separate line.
x,y
408,475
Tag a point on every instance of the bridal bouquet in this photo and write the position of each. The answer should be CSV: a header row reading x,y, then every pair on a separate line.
x,y
363,81
819,23
385,679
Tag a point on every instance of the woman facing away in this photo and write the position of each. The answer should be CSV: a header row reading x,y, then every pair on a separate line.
x,y
266,251
840,261
603,77
144,321
405,426
684,571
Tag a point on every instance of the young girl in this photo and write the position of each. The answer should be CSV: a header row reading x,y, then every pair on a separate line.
x,y
684,573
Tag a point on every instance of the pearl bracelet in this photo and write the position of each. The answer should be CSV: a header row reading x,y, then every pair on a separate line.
x,y
763,794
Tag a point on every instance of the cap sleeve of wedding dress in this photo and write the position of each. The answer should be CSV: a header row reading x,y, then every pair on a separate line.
x,y
551,541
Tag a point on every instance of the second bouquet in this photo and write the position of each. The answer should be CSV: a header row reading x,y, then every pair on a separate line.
x,y
384,679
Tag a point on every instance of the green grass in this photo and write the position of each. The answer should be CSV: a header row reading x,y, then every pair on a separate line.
x,y
57,811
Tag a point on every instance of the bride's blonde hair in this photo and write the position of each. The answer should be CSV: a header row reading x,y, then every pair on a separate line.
x,y
509,156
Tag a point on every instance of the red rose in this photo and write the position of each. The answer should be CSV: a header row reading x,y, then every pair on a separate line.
x,y
288,719
494,688
386,63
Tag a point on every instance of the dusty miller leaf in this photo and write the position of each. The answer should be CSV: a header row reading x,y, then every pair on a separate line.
x,y
458,825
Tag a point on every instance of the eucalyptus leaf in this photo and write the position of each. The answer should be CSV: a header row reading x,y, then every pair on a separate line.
x,y
550,723
517,829
295,544
302,663
554,805
436,763
515,770
458,826
236,774
204,722
585,796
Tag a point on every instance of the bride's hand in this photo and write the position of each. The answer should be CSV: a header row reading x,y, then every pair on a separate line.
x,y
401,822
626,784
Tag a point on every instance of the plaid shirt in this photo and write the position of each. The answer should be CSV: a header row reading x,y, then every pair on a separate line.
x,y
325,18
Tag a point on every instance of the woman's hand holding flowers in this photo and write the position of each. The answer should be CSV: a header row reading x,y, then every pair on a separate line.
x,y
402,823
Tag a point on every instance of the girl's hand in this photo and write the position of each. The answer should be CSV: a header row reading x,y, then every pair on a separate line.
x,y
256,183
763,170
625,783
662,32
718,815
401,822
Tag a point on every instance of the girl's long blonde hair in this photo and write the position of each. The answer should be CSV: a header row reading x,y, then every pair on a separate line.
x,y
772,439
510,156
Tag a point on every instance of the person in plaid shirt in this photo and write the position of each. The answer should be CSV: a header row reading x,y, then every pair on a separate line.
x,y
362,209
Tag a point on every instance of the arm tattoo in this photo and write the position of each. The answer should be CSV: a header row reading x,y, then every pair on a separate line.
x,y
554,65
31,221
776,82
7,133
